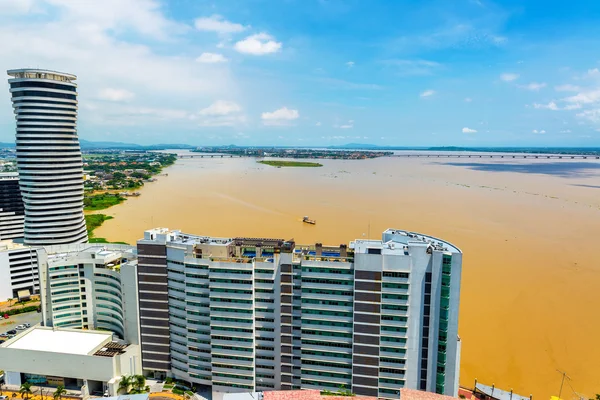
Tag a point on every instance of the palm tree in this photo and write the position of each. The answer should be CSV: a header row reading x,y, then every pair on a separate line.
x,y
125,383
58,393
25,390
139,382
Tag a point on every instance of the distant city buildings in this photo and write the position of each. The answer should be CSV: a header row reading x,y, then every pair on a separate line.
x,y
252,314
12,211
48,156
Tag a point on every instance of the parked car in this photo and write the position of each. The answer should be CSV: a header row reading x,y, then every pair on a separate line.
x,y
27,325
3,397
20,327
4,334
12,332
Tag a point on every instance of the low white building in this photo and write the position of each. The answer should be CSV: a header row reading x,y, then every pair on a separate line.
x,y
90,361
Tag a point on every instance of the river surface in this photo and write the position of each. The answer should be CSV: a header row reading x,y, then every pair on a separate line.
x,y
529,230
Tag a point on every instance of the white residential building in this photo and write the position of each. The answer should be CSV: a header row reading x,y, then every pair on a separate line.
x,y
18,270
254,314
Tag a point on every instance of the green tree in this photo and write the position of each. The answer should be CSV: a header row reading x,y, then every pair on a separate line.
x,y
25,390
139,383
125,383
58,393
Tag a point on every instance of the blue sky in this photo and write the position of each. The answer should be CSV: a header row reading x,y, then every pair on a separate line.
x,y
317,72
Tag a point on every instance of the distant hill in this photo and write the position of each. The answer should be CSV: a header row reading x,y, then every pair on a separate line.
x,y
87,145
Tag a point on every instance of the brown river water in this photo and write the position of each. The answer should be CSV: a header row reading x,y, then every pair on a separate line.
x,y
529,230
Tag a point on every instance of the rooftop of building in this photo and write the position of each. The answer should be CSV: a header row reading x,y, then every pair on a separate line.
x,y
143,396
393,242
396,241
109,255
67,341
36,73
11,245
9,175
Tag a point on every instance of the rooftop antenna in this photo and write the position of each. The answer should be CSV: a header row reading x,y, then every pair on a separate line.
x,y
564,375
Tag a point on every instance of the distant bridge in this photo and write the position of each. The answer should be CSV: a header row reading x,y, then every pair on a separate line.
x,y
508,156
209,156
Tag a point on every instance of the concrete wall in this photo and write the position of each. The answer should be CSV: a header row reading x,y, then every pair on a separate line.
x,y
58,364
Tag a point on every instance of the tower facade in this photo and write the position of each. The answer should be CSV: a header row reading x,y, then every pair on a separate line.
x,y
48,156
12,212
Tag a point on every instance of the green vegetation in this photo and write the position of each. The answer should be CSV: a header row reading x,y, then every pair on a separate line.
x,y
342,391
21,310
133,384
178,391
25,390
59,392
93,221
291,163
101,201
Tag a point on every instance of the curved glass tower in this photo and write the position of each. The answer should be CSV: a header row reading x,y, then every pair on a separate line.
x,y
48,156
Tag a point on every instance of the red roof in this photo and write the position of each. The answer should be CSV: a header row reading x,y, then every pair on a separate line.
x,y
405,394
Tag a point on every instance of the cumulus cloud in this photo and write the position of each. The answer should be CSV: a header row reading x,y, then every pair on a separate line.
x,y
541,132
318,124
111,94
350,64
509,77
550,106
221,107
217,23
258,45
567,88
282,116
468,130
565,131
592,115
585,97
220,113
533,86
211,58
427,93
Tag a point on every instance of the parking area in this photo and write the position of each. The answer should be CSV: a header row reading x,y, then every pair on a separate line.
x,y
32,318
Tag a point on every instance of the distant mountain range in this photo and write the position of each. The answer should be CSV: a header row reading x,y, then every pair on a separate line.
x,y
87,145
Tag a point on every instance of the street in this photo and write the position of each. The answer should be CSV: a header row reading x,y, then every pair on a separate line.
x,y
32,317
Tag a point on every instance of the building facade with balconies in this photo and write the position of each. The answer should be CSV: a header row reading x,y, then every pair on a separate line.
x,y
90,286
12,211
48,156
252,314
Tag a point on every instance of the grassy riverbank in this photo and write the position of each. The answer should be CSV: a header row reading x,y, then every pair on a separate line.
x,y
101,201
291,164
93,221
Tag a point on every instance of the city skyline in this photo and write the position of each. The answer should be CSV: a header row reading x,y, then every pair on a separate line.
x,y
479,73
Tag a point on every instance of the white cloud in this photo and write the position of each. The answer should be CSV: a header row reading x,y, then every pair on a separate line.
x,y
567,88
427,93
414,67
115,94
585,97
217,23
221,107
468,99
348,125
541,132
566,131
550,106
282,116
593,72
572,107
468,130
509,77
592,115
16,6
258,45
533,86
211,58
318,124
350,64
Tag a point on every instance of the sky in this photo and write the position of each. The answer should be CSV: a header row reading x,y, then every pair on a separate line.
x,y
317,72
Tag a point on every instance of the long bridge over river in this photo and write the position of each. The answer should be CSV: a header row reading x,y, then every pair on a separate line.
x,y
442,155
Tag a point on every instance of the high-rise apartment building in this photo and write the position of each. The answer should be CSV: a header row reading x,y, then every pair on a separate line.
x,y
12,212
90,286
252,314
48,156
18,270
